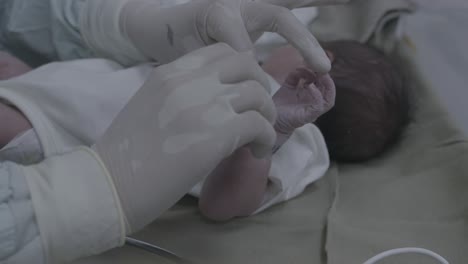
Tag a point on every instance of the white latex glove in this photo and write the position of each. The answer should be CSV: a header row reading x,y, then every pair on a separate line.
x,y
187,117
165,34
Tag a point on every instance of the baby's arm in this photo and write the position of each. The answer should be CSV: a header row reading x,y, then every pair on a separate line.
x,y
11,66
238,185
12,123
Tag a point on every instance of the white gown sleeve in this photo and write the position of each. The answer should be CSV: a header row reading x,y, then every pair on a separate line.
x,y
101,30
59,210
99,26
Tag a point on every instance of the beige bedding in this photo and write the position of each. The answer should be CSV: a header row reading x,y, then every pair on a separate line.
x,y
414,196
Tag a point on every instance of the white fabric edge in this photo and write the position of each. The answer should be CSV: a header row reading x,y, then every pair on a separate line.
x,y
76,205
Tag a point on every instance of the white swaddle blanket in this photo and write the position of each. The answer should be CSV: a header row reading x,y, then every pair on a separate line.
x,y
72,103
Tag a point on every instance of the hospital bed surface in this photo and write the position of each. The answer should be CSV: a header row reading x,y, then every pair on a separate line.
x,y
416,195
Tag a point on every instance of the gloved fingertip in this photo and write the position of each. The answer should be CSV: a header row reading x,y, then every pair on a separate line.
x,y
259,151
321,64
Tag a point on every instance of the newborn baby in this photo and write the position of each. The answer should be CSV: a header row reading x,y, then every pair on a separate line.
x,y
370,111
352,129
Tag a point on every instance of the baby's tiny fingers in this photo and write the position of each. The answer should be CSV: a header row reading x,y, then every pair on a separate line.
x,y
314,95
328,90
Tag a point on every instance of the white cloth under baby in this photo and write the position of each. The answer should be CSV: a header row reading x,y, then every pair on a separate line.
x,y
77,101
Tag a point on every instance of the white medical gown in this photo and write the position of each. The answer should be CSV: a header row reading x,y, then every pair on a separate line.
x,y
41,31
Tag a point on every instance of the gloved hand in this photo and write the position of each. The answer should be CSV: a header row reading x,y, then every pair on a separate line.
x,y
11,66
164,34
302,98
187,117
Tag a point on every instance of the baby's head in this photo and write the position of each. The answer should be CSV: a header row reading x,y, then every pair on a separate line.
x,y
371,106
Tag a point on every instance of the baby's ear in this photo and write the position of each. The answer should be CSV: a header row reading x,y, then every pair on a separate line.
x,y
330,55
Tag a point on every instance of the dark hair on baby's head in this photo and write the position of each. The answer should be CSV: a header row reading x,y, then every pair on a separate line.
x,y
371,107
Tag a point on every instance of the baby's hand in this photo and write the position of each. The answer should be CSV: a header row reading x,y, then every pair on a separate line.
x,y
302,98
11,66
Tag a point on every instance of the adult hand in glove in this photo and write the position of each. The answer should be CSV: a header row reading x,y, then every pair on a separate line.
x,y
187,117
166,33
